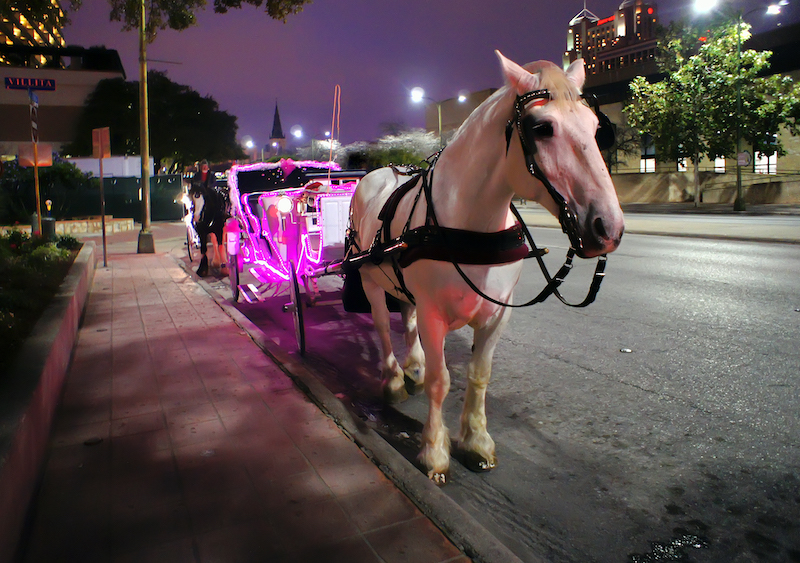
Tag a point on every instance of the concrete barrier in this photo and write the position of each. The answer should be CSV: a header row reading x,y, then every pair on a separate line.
x,y
30,393
80,226
670,187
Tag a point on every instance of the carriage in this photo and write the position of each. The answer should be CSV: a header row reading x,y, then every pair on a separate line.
x,y
443,239
287,218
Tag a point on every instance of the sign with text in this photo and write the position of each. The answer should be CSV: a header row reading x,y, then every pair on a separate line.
x,y
19,83
44,152
101,142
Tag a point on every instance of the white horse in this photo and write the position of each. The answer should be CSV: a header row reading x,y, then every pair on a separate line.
x,y
485,165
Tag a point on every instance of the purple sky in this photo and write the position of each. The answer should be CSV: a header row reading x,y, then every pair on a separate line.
x,y
377,50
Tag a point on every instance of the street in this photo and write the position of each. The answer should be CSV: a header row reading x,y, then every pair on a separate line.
x,y
658,423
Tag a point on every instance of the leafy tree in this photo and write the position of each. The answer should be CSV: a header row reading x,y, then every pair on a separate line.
x,y
161,14
692,112
184,126
408,147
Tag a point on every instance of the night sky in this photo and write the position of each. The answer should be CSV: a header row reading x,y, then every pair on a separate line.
x,y
376,50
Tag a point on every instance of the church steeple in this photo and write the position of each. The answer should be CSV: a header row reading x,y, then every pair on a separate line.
x,y
277,130
277,140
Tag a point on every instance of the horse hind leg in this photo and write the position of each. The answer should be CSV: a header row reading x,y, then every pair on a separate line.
x,y
394,390
414,364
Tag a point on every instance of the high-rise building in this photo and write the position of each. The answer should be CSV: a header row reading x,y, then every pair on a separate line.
x,y
615,47
21,27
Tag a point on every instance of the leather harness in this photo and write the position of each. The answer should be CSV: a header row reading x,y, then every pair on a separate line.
x,y
457,246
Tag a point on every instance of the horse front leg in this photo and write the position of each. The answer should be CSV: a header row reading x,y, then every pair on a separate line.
x,y
474,442
392,381
435,453
202,268
414,364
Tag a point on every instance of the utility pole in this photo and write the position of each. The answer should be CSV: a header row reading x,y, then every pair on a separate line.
x,y
146,245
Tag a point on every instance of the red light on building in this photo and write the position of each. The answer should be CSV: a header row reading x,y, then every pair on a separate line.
x,y
650,11
605,20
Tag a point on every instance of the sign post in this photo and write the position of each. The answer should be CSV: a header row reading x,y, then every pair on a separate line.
x,y
101,148
34,106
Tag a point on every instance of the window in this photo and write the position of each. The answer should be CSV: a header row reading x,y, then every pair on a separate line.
x,y
647,163
766,164
719,165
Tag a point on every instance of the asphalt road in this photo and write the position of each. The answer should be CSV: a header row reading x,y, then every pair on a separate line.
x,y
658,423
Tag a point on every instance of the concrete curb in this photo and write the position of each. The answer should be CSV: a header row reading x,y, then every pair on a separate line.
x,y
456,523
30,394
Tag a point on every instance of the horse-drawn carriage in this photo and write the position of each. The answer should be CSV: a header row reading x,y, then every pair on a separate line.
x,y
444,239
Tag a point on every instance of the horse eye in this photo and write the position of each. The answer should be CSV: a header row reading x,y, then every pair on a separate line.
x,y
543,129
536,130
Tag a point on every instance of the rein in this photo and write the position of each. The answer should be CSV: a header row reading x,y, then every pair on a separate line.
x,y
553,282
526,126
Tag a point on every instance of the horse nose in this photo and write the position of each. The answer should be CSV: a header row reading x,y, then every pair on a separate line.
x,y
604,232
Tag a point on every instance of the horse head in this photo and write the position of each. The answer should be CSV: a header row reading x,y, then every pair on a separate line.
x,y
196,196
559,134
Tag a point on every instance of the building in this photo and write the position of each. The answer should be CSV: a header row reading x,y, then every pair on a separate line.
x,y
62,86
36,63
454,111
19,26
617,47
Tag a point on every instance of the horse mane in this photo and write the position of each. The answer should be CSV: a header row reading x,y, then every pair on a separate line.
x,y
555,80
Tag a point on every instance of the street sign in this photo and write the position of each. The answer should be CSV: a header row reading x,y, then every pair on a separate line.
x,y
101,143
34,106
744,158
44,155
14,83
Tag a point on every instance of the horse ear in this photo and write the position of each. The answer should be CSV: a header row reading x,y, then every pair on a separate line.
x,y
517,77
577,73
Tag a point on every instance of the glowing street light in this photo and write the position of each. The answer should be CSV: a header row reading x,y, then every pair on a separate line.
x,y
418,95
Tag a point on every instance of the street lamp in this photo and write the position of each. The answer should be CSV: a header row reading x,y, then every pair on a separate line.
x,y
417,96
705,6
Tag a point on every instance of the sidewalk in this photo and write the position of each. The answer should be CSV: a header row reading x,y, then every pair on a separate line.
x,y
178,439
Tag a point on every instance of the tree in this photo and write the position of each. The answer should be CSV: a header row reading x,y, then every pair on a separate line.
x,y
161,14
407,147
186,127
17,199
692,113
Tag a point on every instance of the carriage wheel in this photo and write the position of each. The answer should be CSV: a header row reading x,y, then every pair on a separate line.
x,y
297,312
189,244
233,276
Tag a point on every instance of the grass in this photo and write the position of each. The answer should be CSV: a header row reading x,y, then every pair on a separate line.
x,y
31,271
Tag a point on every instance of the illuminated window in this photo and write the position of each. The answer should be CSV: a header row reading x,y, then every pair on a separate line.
x,y
766,164
719,165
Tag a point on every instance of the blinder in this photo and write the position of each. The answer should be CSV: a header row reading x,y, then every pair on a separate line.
x,y
530,129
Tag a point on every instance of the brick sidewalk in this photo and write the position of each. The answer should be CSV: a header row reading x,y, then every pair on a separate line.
x,y
178,440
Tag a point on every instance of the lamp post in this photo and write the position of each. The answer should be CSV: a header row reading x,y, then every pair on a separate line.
x,y
145,243
417,96
704,6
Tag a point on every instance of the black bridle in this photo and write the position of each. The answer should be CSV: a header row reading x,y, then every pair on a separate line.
x,y
529,128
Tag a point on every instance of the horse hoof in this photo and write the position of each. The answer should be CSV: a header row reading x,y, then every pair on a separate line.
x,y
394,396
202,272
412,386
477,463
438,477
